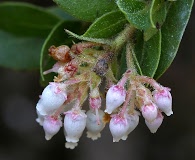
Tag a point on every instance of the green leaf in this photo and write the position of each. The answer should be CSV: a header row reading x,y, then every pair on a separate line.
x,y
144,14
87,10
19,53
83,38
107,25
148,53
172,32
60,13
26,20
136,12
57,37
158,13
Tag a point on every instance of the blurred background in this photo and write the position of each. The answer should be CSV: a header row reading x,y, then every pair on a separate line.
x,y
21,138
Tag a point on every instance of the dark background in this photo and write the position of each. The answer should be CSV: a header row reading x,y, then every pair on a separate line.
x,y
21,138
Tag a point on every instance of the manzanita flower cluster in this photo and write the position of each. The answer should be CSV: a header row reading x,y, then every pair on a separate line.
x,y
81,70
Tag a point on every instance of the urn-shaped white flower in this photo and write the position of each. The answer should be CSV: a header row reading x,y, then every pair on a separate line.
x,y
94,127
132,121
51,126
114,98
74,124
155,124
149,111
118,127
51,99
163,100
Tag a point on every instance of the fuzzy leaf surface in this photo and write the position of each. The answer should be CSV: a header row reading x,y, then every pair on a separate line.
x,y
107,25
86,10
172,32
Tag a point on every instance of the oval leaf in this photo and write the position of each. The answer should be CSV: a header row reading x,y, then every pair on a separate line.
x,y
136,12
26,20
87,10
172,32
148,53
107,25
19,52
158,13
57,37
143,15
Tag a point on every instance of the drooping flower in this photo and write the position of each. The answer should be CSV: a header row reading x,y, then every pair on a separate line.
x,y
51,126
155,124
80,72
74,125
93,126
114,98
132,121
163,100
51,99
149,111
118,127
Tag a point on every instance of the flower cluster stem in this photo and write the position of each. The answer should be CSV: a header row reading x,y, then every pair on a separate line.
x,y
122,38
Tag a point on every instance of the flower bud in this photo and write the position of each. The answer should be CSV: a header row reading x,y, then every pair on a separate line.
x,y
114,98
118,127
51,99
132,121
51,126
155,124
93,126
60,53
149,112
55,68
74,124
95,103
163,100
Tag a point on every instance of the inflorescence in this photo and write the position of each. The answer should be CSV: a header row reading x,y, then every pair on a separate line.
x,y
81,70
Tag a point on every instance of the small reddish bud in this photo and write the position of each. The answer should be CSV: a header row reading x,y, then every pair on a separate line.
x,y
60,53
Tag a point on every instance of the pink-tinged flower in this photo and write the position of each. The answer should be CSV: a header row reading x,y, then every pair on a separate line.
x,y
114,98
55,68
51,126
93,126
132,121
74,124
95,103
51,99
163,100
155,124
149,111
118,127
